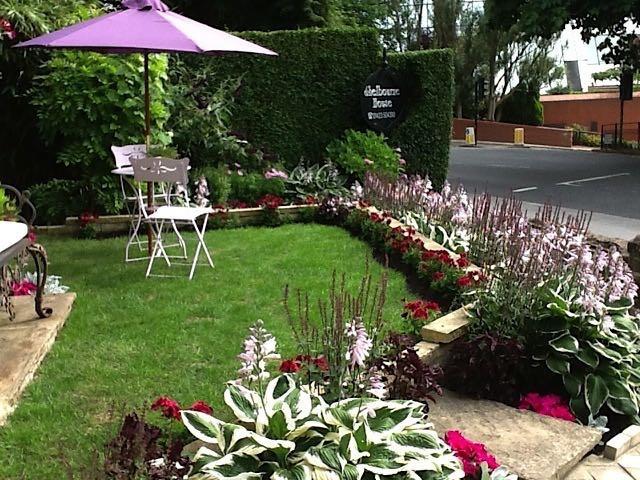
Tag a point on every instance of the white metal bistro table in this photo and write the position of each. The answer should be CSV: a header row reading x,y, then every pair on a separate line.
x,y
138,215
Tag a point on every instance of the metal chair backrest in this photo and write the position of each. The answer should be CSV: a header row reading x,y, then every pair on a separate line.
x,y
122,155
160,170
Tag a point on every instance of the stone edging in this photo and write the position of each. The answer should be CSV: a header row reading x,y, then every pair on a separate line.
x,y
439,334
120,223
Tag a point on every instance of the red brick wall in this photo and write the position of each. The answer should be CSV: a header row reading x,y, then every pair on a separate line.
x,y
591,110
503,132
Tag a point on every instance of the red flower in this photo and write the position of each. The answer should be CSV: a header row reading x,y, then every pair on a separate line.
x,y
549,405
32,236
290,366
168,406
321,363
438,276
270,202
471,454
87,217
464,281
237,204
201,406
421,309
463,261
310,200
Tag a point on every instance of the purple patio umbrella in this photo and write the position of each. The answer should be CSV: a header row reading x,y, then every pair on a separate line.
x,y
144,26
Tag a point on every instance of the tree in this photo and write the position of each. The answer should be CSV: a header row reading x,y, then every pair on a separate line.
x,y
545,18
256,14
446,14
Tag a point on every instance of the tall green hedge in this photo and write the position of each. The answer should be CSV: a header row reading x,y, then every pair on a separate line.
x,y
296,103
425,134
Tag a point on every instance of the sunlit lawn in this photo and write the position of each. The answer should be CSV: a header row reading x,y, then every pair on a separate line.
x,y
130,339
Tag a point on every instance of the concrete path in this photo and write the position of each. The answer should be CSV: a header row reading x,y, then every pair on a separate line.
x,y
24,343
533,446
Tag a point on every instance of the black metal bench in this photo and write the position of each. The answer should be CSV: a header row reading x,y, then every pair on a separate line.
x,y
18,252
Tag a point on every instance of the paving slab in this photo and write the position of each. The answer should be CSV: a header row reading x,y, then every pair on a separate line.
x,y
533,446
24,343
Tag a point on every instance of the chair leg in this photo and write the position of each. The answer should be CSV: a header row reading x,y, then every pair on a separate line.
x,y
133,238
158,249
181,241
201,245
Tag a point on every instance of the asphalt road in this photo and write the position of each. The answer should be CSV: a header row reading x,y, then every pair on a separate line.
x,y
582,180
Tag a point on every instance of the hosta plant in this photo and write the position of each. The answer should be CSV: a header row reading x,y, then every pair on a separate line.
x,y
315,180
455,238
598,355
287,433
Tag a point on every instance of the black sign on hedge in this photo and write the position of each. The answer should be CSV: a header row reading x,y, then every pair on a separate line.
x,y
382,101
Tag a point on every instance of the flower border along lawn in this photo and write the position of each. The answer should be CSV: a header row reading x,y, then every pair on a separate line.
x,y
131,339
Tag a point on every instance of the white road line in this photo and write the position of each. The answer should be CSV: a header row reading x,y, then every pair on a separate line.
x,y
592,179
525,189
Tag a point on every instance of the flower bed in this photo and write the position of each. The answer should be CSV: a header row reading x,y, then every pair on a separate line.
x,y
555,314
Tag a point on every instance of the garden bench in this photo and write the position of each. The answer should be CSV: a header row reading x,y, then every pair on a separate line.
x,y
16,244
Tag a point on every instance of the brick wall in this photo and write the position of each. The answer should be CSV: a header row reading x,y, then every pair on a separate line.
x,y
503,132
591,110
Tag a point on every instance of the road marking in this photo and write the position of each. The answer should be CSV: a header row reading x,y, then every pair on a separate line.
x,y
573,183
525,189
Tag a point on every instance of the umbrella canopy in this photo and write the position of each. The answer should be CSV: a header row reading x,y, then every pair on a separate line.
x,y
145,26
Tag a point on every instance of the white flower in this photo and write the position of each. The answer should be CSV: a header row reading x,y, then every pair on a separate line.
x,y
258,348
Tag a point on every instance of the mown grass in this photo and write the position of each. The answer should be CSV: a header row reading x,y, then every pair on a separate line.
x,y
131,339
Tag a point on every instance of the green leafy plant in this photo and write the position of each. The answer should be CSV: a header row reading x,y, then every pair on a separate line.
x,y
360,152
315,181
284,432
250,187
8,208
598,356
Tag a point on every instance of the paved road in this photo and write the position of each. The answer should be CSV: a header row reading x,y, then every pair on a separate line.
x,y
601,182
608,184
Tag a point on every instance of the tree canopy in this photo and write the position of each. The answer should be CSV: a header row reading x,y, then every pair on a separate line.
x,y
595,18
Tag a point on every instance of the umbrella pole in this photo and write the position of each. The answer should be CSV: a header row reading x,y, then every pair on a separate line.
x,y
147,134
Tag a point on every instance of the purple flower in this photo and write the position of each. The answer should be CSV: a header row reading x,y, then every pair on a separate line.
x,y
273,173
359,343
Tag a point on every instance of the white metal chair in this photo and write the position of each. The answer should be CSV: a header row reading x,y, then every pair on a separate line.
x,y
122,156
170,172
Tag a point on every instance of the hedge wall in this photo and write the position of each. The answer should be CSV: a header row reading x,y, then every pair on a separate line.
x,y
425,134
296,103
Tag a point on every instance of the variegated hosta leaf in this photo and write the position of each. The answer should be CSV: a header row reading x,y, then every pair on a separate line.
x,y
326,457
298,472
204,427
382,460
244,403
235,466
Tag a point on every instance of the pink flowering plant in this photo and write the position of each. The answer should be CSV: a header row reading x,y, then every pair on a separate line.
x,y
550,405
471,454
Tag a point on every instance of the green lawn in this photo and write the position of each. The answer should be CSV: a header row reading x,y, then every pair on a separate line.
x,y
130,339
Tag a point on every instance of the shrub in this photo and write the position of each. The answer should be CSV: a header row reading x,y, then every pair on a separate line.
x,y
273,104
250,187
523,107
488,366
425,134
55,201
321,70
89,102
219,182
358,152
